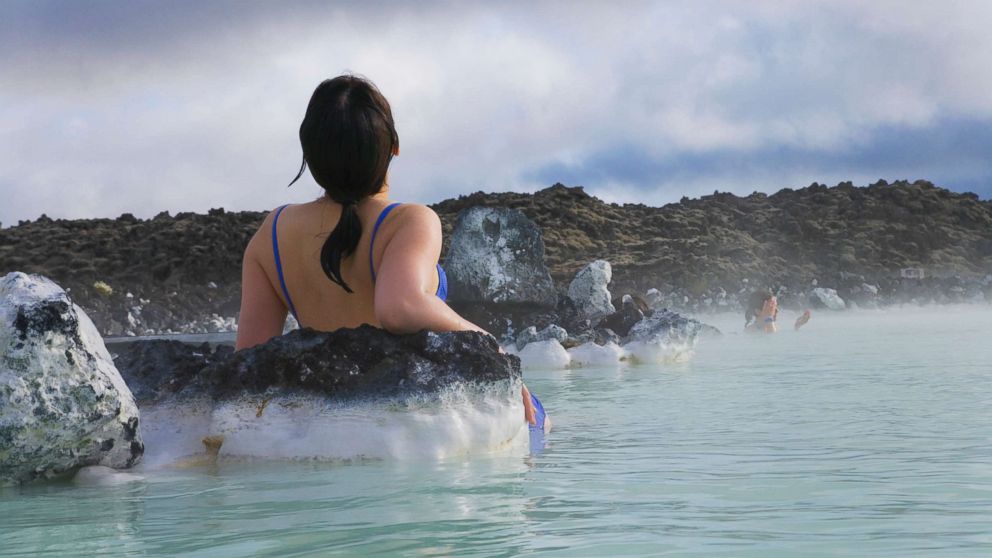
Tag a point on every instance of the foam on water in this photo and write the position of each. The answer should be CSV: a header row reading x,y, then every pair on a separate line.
x,y
98,475
656,352
462,419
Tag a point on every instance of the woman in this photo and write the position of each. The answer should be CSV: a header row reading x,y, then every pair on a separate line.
x,y
351,257
761,312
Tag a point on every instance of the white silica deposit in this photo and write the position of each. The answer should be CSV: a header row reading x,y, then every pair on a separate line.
x,y
591,354
589,290
544,354
63,403
551,355
461,420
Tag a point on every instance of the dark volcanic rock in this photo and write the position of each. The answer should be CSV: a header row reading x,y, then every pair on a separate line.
x,y
155,369
505,321
624,319
348,363
178,270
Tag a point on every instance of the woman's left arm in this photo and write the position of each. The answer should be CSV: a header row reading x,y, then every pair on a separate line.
x,y
263,313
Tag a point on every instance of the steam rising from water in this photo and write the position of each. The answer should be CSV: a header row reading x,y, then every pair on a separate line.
x,y
462,419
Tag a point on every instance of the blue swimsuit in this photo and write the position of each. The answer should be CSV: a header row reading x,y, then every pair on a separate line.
x,y
442,284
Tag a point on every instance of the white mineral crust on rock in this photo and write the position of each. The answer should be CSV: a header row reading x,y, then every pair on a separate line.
x,y
654,298
497,256
544,354
531,335
63,403
829,298
589,290
591,354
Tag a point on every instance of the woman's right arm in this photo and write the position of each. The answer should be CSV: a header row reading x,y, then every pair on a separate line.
x,y
406,278
406,282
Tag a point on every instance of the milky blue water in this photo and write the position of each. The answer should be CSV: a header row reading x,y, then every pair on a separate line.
x,y
864,434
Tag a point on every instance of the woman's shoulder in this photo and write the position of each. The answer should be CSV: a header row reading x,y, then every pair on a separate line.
x,y
289,215
417,213
411,221
261,241
270,215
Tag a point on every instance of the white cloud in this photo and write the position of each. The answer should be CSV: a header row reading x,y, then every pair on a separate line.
x,y
205,113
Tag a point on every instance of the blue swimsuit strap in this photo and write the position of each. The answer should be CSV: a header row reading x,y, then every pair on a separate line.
x,y
442,278
275,252
375,231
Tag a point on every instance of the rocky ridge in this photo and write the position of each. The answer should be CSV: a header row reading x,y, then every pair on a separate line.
x,y
714,247
182,273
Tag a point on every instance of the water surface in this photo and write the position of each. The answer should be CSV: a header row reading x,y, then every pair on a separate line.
x,y
863,434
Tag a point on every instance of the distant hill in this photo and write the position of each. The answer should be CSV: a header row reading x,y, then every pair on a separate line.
x,y
790,237
187,266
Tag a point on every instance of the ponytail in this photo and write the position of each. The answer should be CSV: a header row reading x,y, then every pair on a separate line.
x,y
341,243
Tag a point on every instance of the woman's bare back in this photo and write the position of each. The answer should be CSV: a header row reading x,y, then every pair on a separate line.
x,y
319,303
404,255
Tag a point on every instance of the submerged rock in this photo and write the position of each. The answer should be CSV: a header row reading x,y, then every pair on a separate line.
x,y
589,292
497,256
63,404
365,362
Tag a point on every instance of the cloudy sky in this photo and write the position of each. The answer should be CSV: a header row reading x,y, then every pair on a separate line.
x,y
112,107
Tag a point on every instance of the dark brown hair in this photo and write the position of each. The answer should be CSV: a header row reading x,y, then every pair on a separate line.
x,y
348,139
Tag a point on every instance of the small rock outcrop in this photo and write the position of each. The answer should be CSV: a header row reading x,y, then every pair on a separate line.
x,y
630,314
827,298
63,404
664,336
531,335
666,327
654,298
365,362
497,256
589,292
